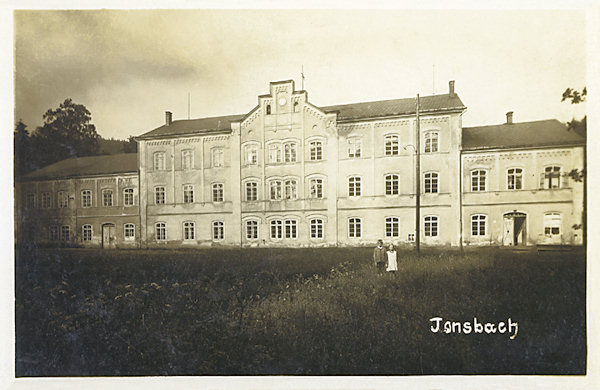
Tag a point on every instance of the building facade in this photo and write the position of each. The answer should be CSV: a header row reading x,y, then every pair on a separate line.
x,y
289,173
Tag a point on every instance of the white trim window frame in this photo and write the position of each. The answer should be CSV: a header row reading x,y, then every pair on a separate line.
x,y
160,195
354,147
354,186
392,144
431,144
86,232
316,228
251,154
252,229
392,227
551,177
218,230
316,187
290,228
218,192
315,150
431,226
478,225
290,151
392,184
276,229
86,198
218,157
128,197
189,231
107,197
188,193
251,190
160,231
290,186
552,224
514,179
129,231
275,189
354,227
275,153
431,182
478,180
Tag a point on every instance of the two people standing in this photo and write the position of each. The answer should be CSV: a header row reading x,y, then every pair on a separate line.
x,y
383,257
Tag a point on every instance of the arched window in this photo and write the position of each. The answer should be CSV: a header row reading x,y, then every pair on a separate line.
x,y
86,232
291,228
316,188
296,107
188,193
276,229
275,190
316,150
252,229
391,145
478,225
86,198
290,149
160,231
128,197
218,228
291,189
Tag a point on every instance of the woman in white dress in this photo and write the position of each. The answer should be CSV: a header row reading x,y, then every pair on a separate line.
x,y
392,260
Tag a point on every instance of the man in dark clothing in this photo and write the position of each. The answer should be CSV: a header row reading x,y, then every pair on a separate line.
x,y
379,257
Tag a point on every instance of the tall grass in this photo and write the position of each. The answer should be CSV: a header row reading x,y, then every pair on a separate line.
x,y
294,311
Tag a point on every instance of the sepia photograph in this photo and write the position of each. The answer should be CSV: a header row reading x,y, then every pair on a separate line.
x,y
288,192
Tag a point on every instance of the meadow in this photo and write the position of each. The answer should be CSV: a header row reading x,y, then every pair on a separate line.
x,y
322,311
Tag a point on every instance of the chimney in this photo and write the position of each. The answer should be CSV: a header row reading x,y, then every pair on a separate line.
x,y
509,118
451,87
168,118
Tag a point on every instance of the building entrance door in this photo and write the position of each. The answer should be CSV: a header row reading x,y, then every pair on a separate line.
x,y
108,236
514,228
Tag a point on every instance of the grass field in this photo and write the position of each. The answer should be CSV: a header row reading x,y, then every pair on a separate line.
x,y
295,311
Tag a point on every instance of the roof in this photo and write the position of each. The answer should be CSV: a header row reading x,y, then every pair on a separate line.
x,y
87,166
404,106
352,111
192,126
525,134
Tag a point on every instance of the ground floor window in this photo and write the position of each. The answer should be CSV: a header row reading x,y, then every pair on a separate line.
x,y
291,228
129,231
392,227
86,232
252,230
552,224
276,229
53,233
160,231
316,228
218,228
354,227
478,225
189,231
65,233
431,226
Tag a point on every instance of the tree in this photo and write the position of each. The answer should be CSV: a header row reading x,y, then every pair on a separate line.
x,y
23,151
130,146
66,133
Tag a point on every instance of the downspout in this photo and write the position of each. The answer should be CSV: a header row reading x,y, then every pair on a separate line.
x,y
460,205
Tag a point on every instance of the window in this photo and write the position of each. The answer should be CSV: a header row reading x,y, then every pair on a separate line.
x,y
274,153
188,193
268,109
107,198
552,177
276,229
160,231
316,228
252,230
354,147
515,179
275,192
478,225
431,182
251,190
86,198
30,200
354,227
128,196
316,188
391,145
251,152
354,186
129,230
46,200
391,184
187,159
296,109
316,150
291,228
291,187
65,233
392,227
552,224
218,157
290,150
159,161
63,199
159,195
431,142
218,228
478,180
431,226
86,232
53,233
189,231
217,192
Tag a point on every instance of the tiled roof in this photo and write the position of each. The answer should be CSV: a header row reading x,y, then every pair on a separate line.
x,y
87,166
352,111
537,133
404,106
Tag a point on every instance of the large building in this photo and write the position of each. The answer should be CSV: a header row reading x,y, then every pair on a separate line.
x,y
289,173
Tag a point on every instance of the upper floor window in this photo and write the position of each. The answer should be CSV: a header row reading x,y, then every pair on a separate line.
x,y
291,189
514,179
274,153
392,227
431,141
252,229
160,231
478,225
107,198
431,182
354,227
392,184
159,195
354,147
316,228
189,231
354,186
63,199
431,226
552,177
188,193
128,197
275,190
316,150
218,157
251,190
187,159
46,200
86,198
552,224
30,200
391,145
316,188
217,192
251,152
129,231
159,161
478,180
290,149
